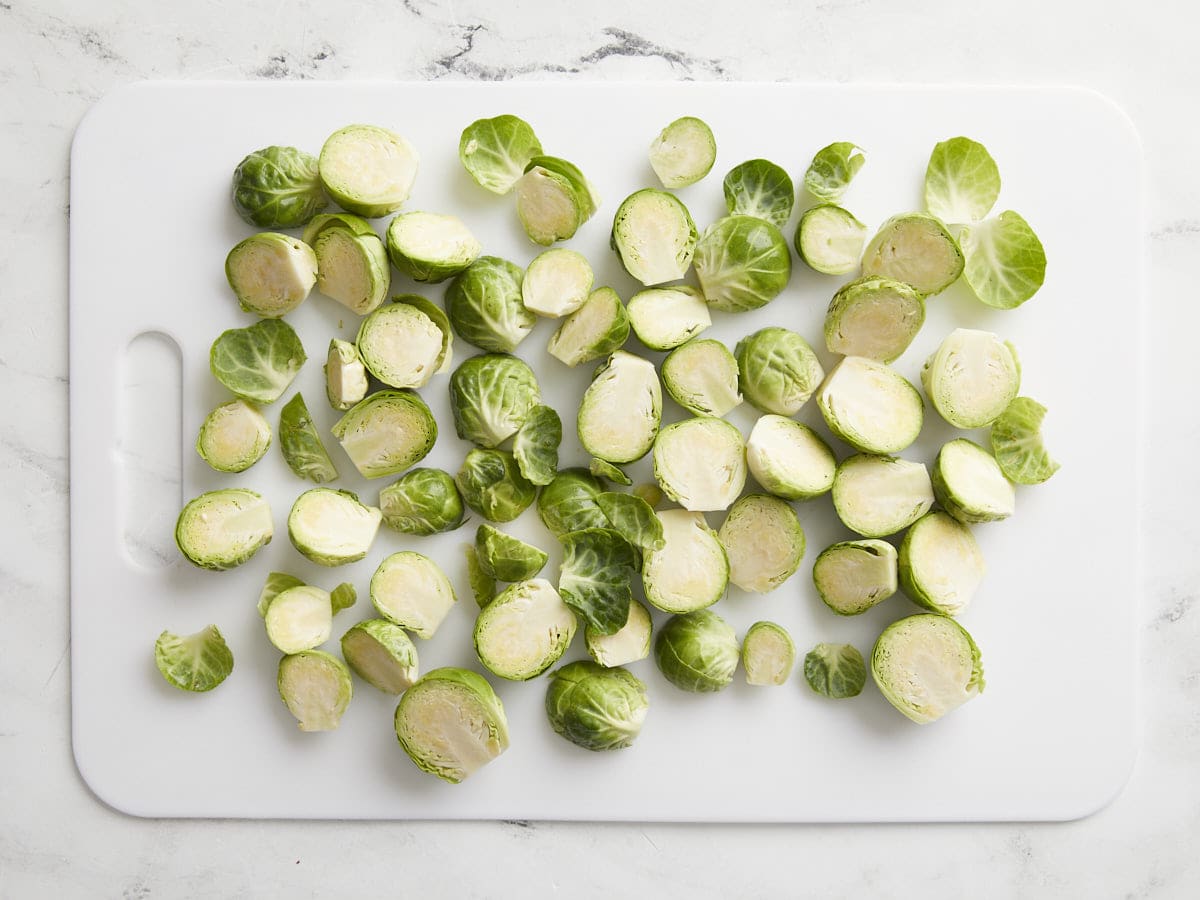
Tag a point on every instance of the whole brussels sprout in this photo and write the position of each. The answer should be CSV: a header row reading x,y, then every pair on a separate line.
x,y
697,651
491,483
491,396
423,501
743,263
594,707
778,370
278,187
485,308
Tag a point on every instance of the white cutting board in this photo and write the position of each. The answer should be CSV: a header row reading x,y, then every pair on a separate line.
x,y
1053,736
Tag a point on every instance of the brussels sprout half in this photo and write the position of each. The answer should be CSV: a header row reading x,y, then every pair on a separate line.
x,y
853,576
368,170
491,483
1016,439
271,274
316,688
491,396
345,375
835,670
654,236
524,631
594,707
764,542
778,370
332,528
768,654
278,187
411,590
422,501
598,328
1005,261
193,662
873,317
505,557
352,264
557,282
916,249
761,189
941,565
971,378
742,263
697,651
789,459
621,409
233,437
484,305
400,345
970,485
553,199
876,496
223,529
664,318
832,169
299,618
301,445
962,181
627,644
830,240
690,571
871,407
568,503
439,318
926,665
381,654
496,151
257,362
386,433
683,152
430,248
702,377
700,463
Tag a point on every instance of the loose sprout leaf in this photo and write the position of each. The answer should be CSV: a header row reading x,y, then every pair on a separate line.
x,y
962,181
257,362
277,583
301,444
483,585
536,445
278,187
568,503
761,189
196,662
832,170
633,518
596,577
496,151
344,596
602,468
835,670
1005,263
1017,443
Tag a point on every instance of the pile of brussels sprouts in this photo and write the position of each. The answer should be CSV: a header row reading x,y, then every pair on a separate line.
x,y
619,541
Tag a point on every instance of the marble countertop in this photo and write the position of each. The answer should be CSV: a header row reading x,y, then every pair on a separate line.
x,y
57,57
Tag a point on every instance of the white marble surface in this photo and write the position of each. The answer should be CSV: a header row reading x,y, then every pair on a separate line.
x,y
57,57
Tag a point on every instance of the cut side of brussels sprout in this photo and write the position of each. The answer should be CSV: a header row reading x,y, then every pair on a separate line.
x,y
871,407
702,377
223,529
1017,443
764,542
553,200
830,240
697,651
557,282
257,362
742,263
664,318
594,707
302,449
962,181
485,308
971,378
368,170
535,448
193,662
941,565
345,375
381,654
926,665
832,169
483,585
439,318
700,463
761,189
278,187
271,274
496,151
1005,260
316,688
835,670
654,236
627,644
299,618
524,631
683,152
603,469
875,318
568,503
598,328
789,459
409,589
621,409
596,577
880,495
853,576
491,396
400,345
429,248
423,501
332,528
386,433
505,557
491,483
778,370
352,268
233,437
690,571
916,249
768,654
970,485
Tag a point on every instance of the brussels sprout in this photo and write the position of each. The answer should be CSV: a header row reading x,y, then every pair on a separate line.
x,y
663,318
320,224
594,707
483,585
1005,261
853,576
257,362
193,662
778,370
700,463
423,501
768,654
941,566
697,651
553,199
439,318
400,345
926,665
789,459
505,557
368,170
764,542
873,317
835,670
299,618
627,644
485,308
962,181
879,495
596,577
971,378
223,529
621,409
830,240
491,483
428,247
301,444
650,492
352,263
271,274
233,437
332,527
632,518
690,571
496,151
871,407
386,433
916,249
345,375
278,187
524,631
604,469
742,263
491,396
381,654
683,152
568,503
450,723
276,584
1017,443
654,236
970,485
409,589
761,189
344,596
832,170
557,282
535,447
316,688
702,377
598,328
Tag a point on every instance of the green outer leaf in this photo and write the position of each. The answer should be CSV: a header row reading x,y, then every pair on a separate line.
x,y
742,263
632,518
483,585
344,596
536,445
257,362
568,503
484,305
761,189
962,181
835,670
697,651
1005,263
422,501
832,170
1017,443
496,151
277,583
301,444
278,187
594,707
602,468
195,662
491,484
596,577
491,396
505,557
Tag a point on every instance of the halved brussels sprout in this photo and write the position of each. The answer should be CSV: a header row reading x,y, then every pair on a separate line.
x,y
386,433
568,503
621,409
557,282
871,407
320,224
941,565
278,187
768,654
830,240
594,707
627,644
223,529
368,170
602,468
257,362
491,396
423,501
596,577
700,463
352,263
880,495
654,236
972,377
400,345
835,670
451,723
271,274
690,571
439,318
411,590
764,542
428,247
302,449
789,459
553,199
702,377
496,151
663,318
1017,443
381,654
962,181
683,152
916,249
345,375
742,263
535,447
524,631
926,665
299,618
483,585
491,483
697,651
316,688
505,557
598,328
1005,261
761,189
778,370
233,437
832,169
276,583
332,528
193,662
970,485
485,308
632,518
853,576
873,317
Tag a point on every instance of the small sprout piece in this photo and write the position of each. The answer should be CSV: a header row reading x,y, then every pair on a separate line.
x,y
880,495
873,317
830,240
761,189
410,590
778,370
654,236
598,328
505,557
535,447
557,282
271,274
276,584
627,644
524,631
742,263
1017,443
193,662
386,433
962,181
332,528
650,492
316,688
871,407
257,362
368,170
663,318
702,377
602,468
301,444
596,577
853,576
496,151
381,654
700,463
926,665
697,651
344,596
764,542
400,345
1005,260
299,618
483,585
485,308
971,378
916,249
690,571
632,518
768,654
429,248
233,437
970,485
553,200
832,170
223,529
683,152
352,263
835,670
491,396
450,723
789,459
423,501
621,409
594,707
441,320
278,187
491,483
322,223
345,375
568,503
941,566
